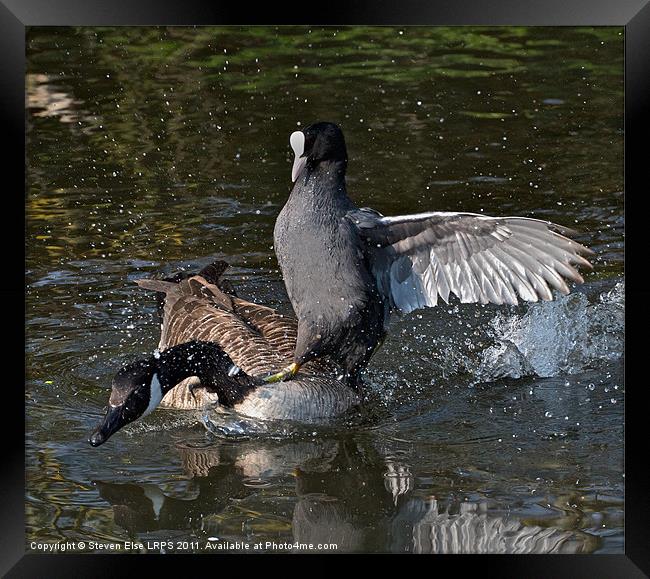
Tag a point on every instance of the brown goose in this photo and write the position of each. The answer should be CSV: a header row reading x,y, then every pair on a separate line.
x,y
212,346
253,336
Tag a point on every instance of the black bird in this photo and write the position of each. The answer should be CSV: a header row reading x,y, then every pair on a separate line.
x,y
347,268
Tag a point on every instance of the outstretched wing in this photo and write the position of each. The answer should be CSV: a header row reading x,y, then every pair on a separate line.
x,y
417,258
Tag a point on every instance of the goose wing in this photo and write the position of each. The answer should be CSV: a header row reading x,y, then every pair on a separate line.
x,y
278,329
255,337
418,258
194,309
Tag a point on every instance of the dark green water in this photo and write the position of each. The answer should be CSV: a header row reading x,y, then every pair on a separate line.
x,y
495,429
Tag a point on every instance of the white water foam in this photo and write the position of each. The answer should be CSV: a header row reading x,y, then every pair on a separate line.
x,y
566,336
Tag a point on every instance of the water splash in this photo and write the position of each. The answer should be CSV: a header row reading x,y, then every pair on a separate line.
x,y
566,336
226,423
470,344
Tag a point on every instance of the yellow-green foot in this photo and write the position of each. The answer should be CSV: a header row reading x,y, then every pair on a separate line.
x,y
286,374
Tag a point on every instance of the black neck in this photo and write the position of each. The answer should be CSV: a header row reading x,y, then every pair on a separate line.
x,y
324,186
210,364
328,170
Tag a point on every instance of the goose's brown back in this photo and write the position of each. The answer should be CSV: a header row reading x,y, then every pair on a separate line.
x,y
256,337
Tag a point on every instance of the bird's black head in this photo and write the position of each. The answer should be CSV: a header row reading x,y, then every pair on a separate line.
x,y
315,144
135,392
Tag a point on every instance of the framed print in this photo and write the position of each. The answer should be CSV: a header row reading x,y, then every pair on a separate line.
x,y
352,283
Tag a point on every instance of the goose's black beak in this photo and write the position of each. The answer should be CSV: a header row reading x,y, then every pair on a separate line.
x,y
112,422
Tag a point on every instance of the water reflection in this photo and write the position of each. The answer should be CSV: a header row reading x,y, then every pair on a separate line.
x,y
46,101
346,493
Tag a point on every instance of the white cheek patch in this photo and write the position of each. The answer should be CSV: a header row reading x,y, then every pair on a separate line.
x,y
155,395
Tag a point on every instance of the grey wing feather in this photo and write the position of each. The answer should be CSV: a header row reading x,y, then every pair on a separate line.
x,y
418,258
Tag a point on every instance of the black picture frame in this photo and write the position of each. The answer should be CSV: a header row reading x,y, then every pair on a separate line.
x,y
634,15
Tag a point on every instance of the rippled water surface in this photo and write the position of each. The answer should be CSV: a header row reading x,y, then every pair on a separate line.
x,y
492,428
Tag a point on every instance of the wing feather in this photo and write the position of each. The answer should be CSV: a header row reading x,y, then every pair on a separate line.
x,y
418,259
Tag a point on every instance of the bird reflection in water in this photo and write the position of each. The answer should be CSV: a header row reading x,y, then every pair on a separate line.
x,y
346,494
